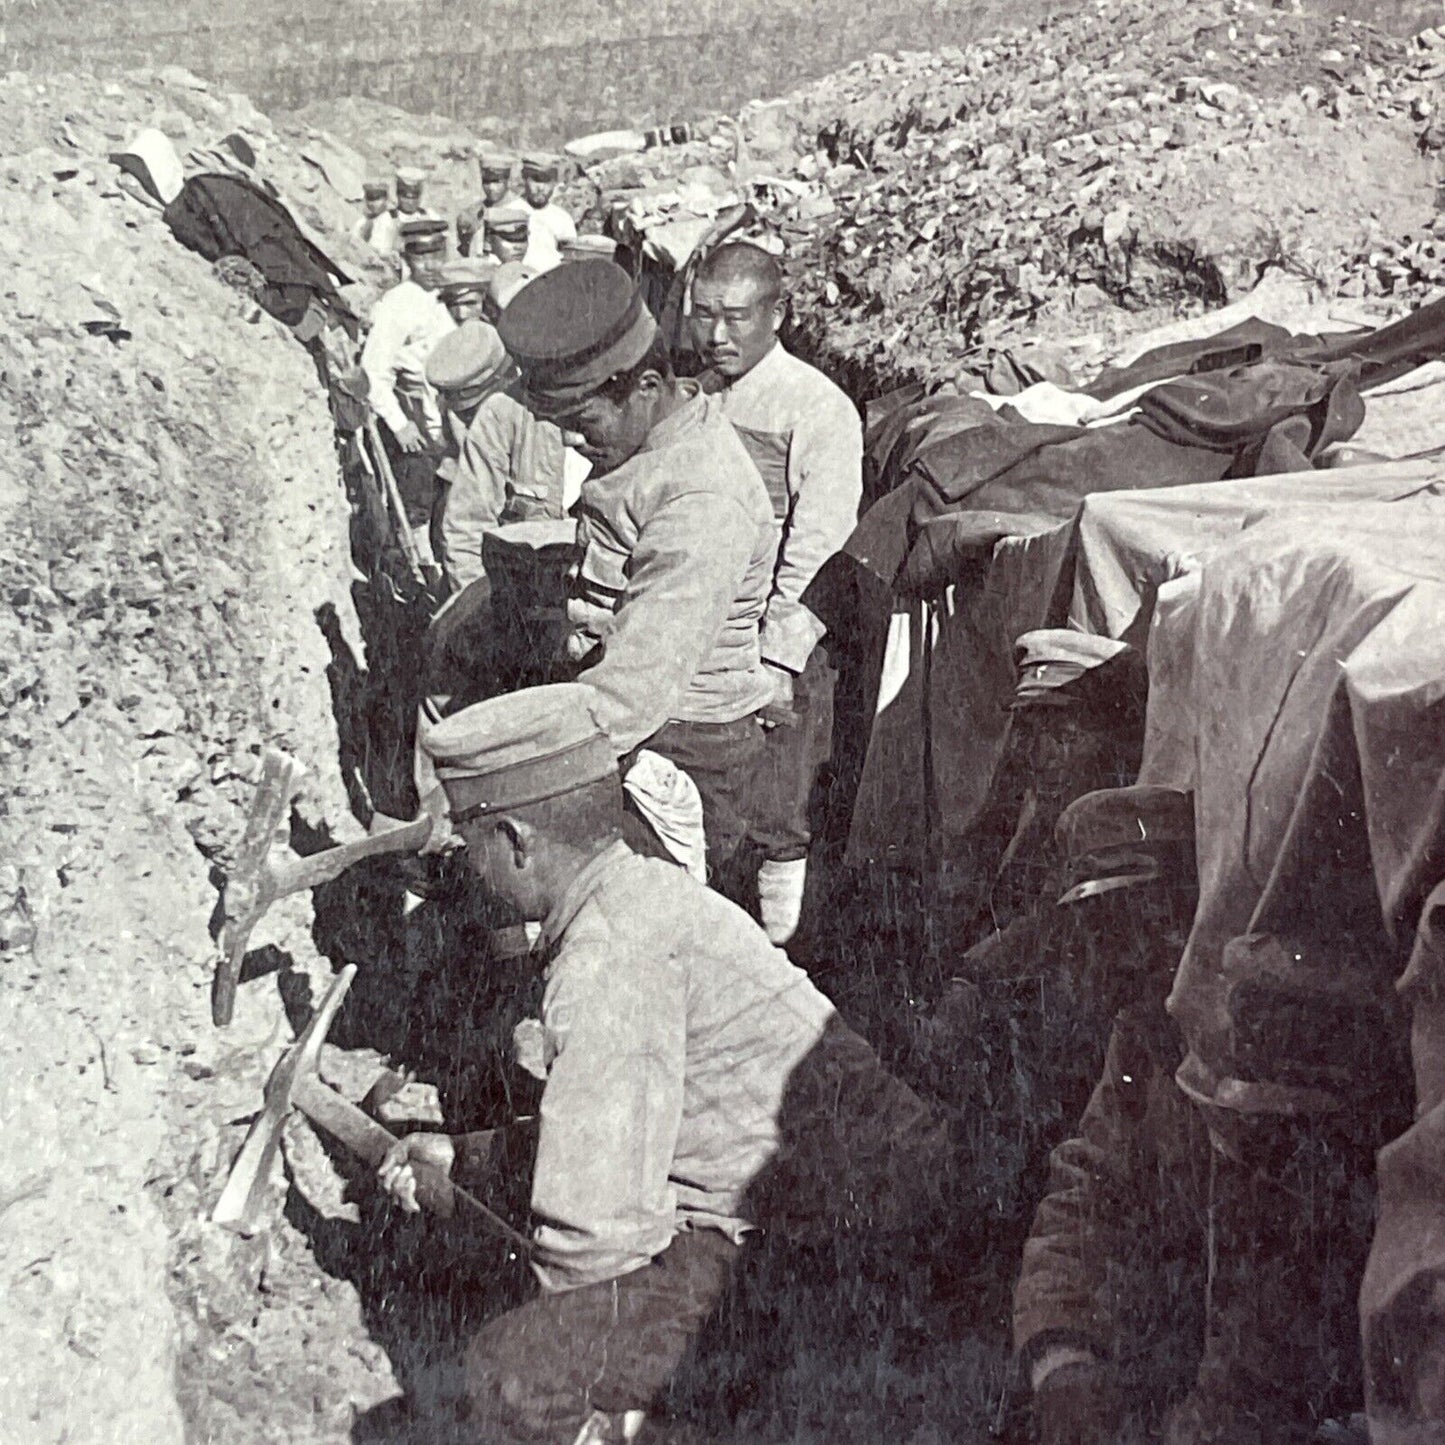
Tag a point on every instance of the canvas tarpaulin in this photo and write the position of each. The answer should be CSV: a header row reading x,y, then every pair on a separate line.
x,y
941,719
1302,697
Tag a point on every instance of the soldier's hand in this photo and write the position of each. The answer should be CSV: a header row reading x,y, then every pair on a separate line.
x,y
1078,1404
410,439
778,711
398,1177
443,838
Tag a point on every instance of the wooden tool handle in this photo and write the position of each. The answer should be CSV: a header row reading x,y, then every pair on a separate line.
x,y
296,875
369,1140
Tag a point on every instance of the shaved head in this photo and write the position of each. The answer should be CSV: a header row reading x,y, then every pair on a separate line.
x,y
741,261
737,309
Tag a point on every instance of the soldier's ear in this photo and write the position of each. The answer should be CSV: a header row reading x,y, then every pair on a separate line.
x,y
520,839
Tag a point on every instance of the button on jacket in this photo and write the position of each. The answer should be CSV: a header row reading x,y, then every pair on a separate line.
x,y
807,441
406,324
677,557
671,1029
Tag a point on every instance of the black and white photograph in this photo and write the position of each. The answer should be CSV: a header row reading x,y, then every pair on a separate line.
x,y
722,722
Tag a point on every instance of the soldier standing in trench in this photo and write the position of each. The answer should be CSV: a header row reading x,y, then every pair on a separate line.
x,y
698,1088
806,440
407,323
496,173
549,226
675,533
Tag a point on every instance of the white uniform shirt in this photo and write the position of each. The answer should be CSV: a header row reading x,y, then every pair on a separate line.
x,y
548,227
806,439
379,232
405,326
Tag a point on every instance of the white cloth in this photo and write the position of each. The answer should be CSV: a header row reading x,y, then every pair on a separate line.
x,y
670,802
405,326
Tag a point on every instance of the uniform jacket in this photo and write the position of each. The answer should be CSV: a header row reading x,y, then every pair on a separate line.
x,y
406,324
677,557
381,233
548,227
671,1028
504,466
807,441
1134,1178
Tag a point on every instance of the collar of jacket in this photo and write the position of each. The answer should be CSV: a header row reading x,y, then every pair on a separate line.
x,y
761,377
691,414
581,888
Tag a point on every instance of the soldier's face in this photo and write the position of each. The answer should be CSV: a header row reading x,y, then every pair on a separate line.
x,y
375,205
608,432
467,306
733,325
505,250
408,202
538,192
426,269
493,189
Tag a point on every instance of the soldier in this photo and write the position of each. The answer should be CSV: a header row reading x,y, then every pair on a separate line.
x,y
409,207
676,534
550,227
1217,1185
697,1086
507,231
1127,1195
807,441
464,285
496,171
407,323
503,464
377,227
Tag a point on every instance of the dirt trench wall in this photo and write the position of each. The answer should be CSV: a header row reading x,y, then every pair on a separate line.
x,y
173,533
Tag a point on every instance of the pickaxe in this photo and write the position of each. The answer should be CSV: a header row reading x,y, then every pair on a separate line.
x,y
257,882
296,1084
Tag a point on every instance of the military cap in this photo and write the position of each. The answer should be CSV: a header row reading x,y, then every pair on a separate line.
x,y
507,280
495,165
508,222
580,247
466,273
375,190
539,166
423,236
1053,657
521,748
1122,836
574,329
409,178
467,360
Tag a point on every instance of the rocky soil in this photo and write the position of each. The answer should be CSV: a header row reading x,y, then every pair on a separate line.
x,y
174,533
177,590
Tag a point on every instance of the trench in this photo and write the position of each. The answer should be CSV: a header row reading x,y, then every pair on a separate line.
x,y
344,1319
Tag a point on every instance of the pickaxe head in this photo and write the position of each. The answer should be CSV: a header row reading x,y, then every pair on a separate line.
x,y
240,1202
248,891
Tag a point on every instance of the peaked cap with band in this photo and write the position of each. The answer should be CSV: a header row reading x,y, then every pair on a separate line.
x,y
540,166
521,748
1053,657
572,330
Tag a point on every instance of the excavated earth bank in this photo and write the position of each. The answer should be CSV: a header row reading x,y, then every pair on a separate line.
x,y
177,591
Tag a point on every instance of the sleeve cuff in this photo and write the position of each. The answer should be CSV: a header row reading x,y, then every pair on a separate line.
x,y
788,636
